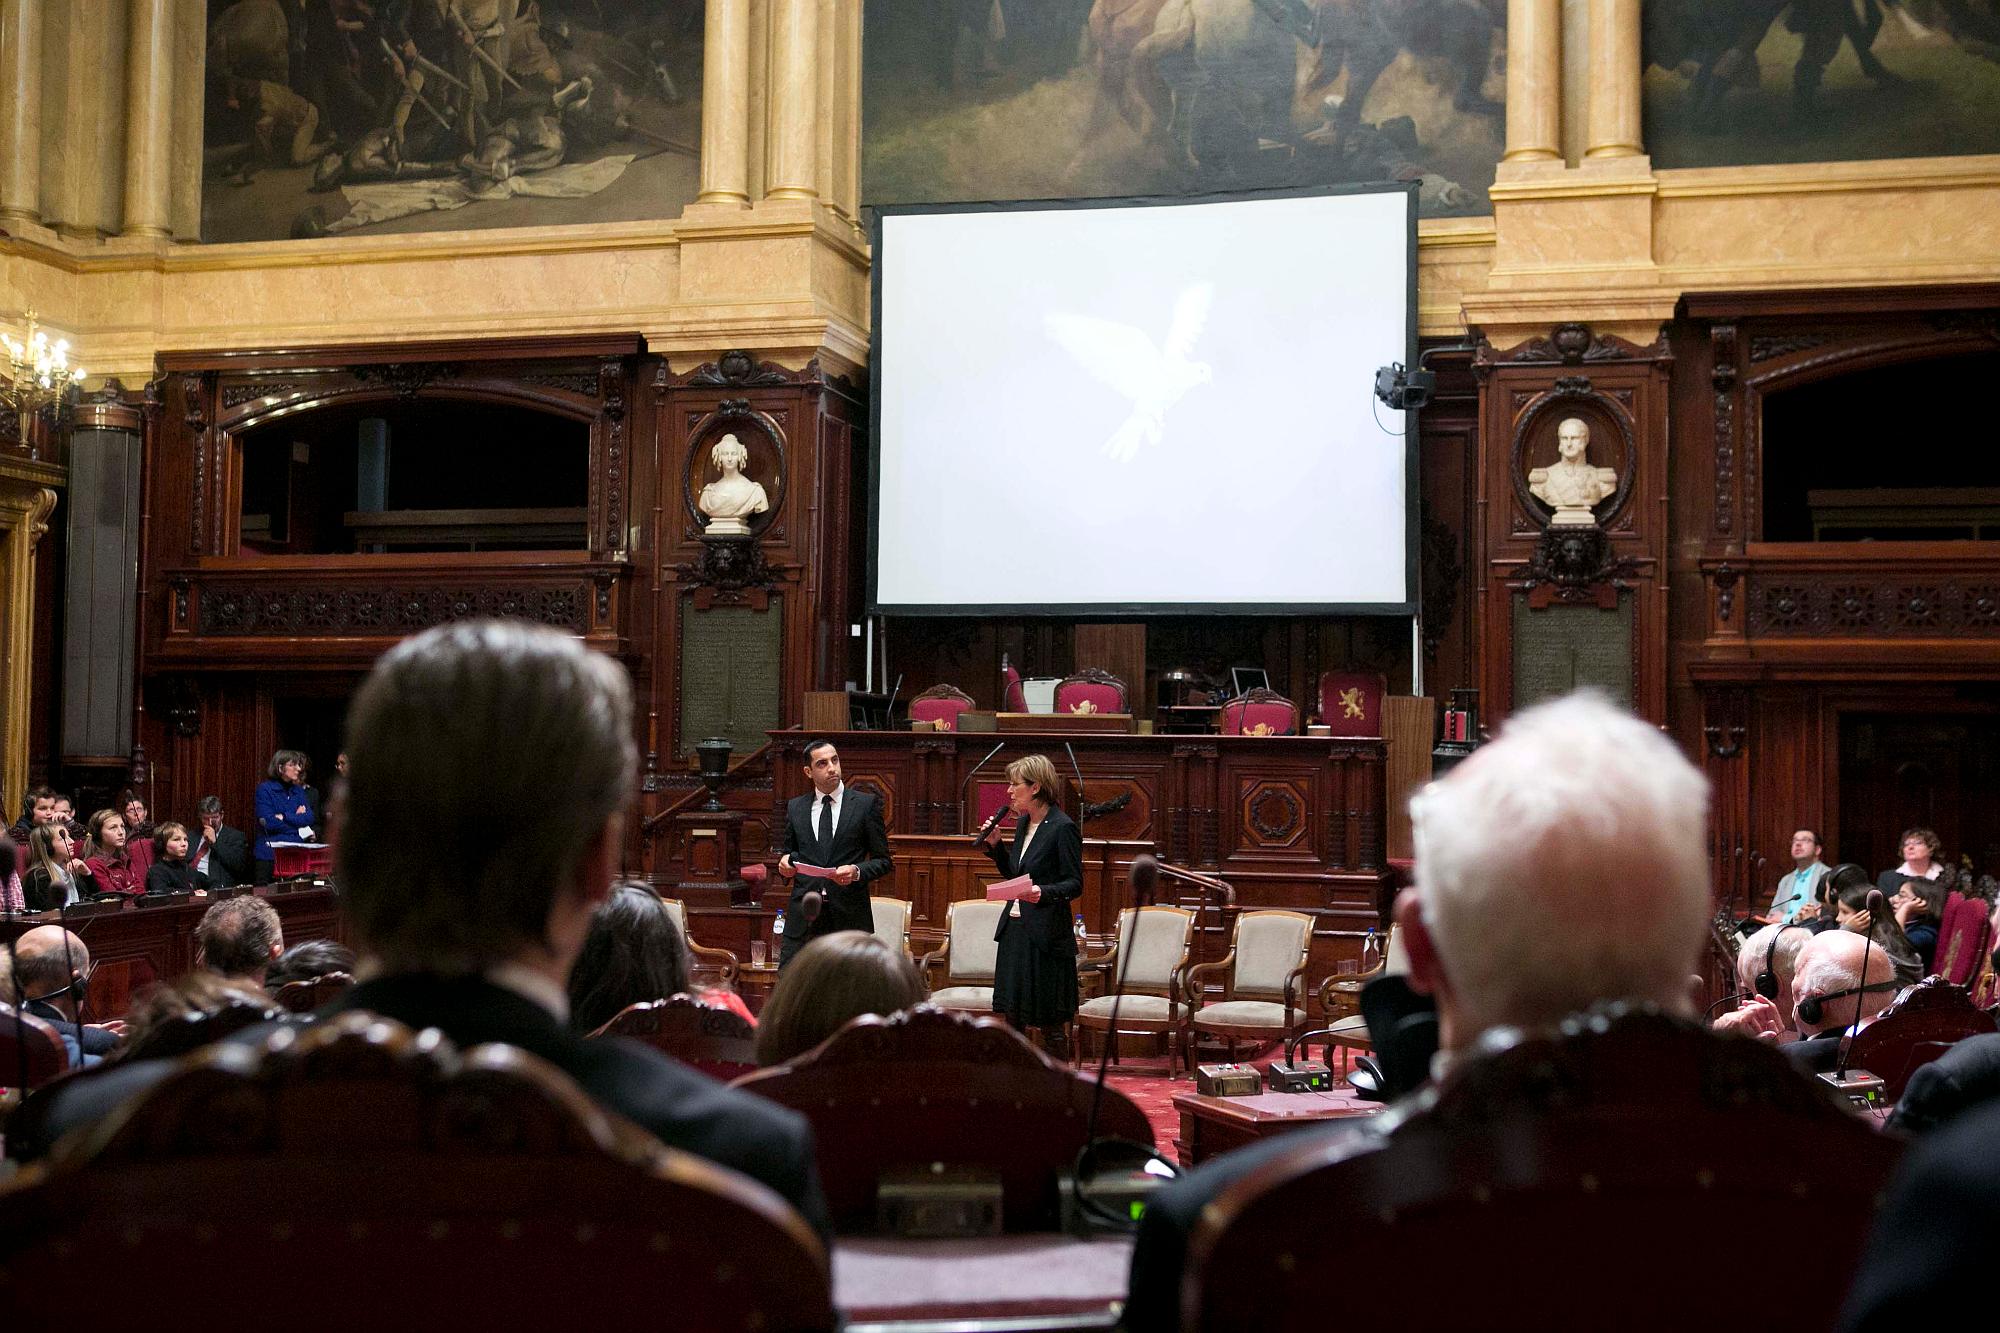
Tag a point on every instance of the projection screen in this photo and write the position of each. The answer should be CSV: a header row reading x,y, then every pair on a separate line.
x,y
1143,407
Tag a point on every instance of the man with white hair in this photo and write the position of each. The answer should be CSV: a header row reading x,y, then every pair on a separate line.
x,y
1561,866
1831,993
1765,967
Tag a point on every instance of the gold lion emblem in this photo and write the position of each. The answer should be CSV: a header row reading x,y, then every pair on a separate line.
x,y
1083,706
1350,703
1261,729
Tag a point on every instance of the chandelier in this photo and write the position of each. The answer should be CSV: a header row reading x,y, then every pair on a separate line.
x,y
38,374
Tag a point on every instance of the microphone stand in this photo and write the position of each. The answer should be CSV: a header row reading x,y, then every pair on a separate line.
x,y
966,785
1847,1037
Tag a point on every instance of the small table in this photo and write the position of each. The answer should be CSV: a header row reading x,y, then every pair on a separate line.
x,y
1212,1125
754,982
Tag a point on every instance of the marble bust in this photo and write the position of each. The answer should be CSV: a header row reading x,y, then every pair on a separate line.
x,y
1571,486
732,497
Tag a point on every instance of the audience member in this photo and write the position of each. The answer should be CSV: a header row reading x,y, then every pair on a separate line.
x,y
221,852
239,938
138,831
1851,913
54,871
308,962
37,808
1920,847
1797,894
492,763
832,979
633,953
66,816
196,993
13,898
1512,920
1919,908
171,872
52,982
284,809
1765,967
110,864
1830,995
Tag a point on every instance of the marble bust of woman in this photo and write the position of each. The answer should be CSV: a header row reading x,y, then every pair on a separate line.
x,y
731,498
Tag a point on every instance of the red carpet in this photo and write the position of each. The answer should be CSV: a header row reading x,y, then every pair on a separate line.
x,y
1153,1092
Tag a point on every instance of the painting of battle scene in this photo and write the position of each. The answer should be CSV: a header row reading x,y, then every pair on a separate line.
x,y
1027,99
327,117
1734,82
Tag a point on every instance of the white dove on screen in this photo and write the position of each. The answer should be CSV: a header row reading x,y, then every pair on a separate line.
x,y
1153,376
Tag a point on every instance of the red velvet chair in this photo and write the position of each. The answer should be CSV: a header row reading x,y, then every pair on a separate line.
x,y
1925,1023
1260,712
1622,1123
1350,702
1963,939
939,707
1013,699
717,1041
30,1050
1091,690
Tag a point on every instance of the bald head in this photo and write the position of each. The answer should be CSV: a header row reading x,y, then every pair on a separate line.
x,y
46,960
1831,963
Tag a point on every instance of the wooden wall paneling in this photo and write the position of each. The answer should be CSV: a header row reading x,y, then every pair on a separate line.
x,y
1409,725
1448,519
1121,650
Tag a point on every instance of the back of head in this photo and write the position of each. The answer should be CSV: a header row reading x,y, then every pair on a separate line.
x,y
633,953
1832,962
195,993
484,759
1565,864
1776,947
239,937
307,961
46,959
833,979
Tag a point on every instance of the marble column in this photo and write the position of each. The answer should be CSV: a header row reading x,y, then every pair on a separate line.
x,y
725,104
1534,81
792,146
21,112
149,119
1616,74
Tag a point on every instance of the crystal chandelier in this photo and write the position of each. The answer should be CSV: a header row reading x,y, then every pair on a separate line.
x,y
38,374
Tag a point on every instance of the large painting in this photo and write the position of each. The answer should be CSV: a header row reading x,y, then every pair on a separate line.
x,y
1733,82
371,116
1031,99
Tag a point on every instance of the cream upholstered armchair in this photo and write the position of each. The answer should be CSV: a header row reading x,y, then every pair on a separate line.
x,y
892,922
1151,956
967,956
723,961
1340,998
1263,974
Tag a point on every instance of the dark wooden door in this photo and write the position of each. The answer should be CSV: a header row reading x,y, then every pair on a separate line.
x,y
1899,771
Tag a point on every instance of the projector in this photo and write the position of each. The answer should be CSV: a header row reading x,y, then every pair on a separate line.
x,y
1404,390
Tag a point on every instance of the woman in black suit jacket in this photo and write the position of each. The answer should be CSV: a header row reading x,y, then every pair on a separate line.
x,y
1034,975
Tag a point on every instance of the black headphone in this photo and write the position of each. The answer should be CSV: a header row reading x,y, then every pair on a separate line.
x,y
78,988
1766,983
1813,1007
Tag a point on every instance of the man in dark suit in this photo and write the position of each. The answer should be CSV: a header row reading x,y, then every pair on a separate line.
x,y
1830,995
51,981
837,828
221,852
492,766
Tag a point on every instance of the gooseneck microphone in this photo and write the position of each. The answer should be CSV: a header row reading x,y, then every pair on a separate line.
x,y
966,785
1877,905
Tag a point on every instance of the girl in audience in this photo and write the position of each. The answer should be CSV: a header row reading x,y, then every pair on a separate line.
x,y
633,954
170,871
831,980
139,841
111,868
284,809
1919,906
56,877
1850,912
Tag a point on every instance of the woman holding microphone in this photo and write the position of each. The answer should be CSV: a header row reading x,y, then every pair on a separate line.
x,y
1034,974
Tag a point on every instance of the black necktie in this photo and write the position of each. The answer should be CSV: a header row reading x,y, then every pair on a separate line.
x,y
825,827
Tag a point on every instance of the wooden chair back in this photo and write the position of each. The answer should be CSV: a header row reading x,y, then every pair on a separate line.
x,y
939,707
1964,936
309,993
716,1041
970,951
891,917
719,963
1260,712
1090,690
1152,951
481,1189
31,1051
182,1033
1914,1031
1623,1123
928,1086
1350,702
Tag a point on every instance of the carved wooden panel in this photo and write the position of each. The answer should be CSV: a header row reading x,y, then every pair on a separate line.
x,y
1272,813
286,607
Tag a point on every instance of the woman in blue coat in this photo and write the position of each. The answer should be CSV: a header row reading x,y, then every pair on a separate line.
x,y
284,809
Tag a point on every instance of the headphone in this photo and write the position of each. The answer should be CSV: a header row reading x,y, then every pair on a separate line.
x,y
1813,1007
1766,983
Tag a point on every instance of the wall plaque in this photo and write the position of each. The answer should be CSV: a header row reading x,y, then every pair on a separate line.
x,y
730,658
1565,648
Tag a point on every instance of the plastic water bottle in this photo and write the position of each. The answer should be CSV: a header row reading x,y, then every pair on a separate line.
x,y
777,936
1371,952
1080,932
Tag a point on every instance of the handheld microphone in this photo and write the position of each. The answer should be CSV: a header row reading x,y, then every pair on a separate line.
x,y
991,823
966,785
1877,905
811,903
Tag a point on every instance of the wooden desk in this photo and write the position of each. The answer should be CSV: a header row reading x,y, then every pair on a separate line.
x,y
1212,1125
1019,1283
141,940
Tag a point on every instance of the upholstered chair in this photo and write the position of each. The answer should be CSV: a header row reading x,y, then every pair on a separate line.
x,y
939,706
1090,690
892,922
721,959
1263,974
1340,998
1260,712
1151,957
967,956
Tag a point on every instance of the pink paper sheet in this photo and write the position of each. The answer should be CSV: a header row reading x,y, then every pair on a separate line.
x,y
1016,887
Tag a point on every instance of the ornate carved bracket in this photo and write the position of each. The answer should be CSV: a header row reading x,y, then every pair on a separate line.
x,y
732,571
737,368
407,379
1570,344
1576,566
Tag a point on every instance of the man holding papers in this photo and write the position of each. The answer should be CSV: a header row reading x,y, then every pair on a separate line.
x,y
1034,976
833,843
